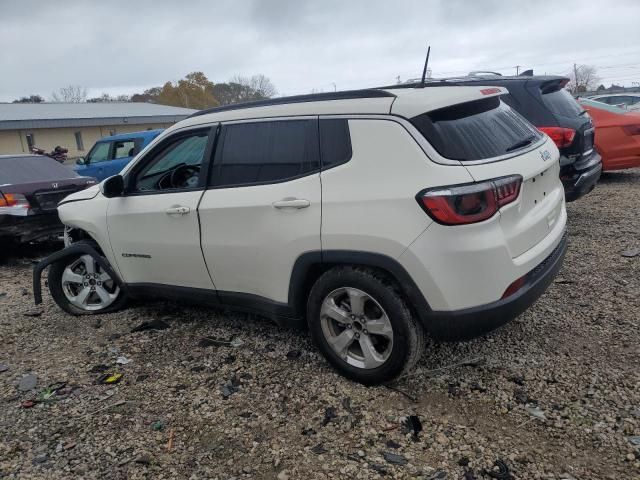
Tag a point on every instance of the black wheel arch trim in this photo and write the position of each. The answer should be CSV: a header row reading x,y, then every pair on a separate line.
x,y
327,258
72,250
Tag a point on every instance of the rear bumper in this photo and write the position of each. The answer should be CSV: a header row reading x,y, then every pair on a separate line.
x,y
30,227
472,322
581,177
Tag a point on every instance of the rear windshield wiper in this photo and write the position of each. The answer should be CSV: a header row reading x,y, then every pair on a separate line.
x,y
521,144
582,113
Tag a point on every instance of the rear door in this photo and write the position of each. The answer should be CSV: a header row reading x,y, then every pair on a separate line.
x,y
154,229
262,208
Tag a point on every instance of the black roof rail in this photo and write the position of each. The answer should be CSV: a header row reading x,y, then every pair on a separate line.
x,y
312,97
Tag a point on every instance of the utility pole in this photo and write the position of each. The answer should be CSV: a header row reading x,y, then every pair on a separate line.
x,y
517,67
575,78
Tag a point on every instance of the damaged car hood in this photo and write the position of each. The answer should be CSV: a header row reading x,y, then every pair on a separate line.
x,y
86,194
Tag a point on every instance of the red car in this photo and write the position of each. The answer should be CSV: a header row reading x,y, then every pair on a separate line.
x,y
617,134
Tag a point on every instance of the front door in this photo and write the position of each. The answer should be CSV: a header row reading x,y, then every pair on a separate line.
x,y
262,208
154,229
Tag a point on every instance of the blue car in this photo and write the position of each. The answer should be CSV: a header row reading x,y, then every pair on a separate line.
x,y
109,155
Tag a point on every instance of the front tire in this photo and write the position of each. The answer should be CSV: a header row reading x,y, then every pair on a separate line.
x,y
80,287
363,326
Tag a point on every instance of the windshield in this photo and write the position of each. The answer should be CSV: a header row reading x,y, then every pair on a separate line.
x,y
476,130
561,103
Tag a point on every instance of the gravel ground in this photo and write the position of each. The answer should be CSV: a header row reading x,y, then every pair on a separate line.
x,y
554,395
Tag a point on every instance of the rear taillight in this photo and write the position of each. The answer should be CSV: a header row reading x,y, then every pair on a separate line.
x,y
562,137
13,204
631,129
472,203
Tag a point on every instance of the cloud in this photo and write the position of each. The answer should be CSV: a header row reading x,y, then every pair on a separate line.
x,y
124,46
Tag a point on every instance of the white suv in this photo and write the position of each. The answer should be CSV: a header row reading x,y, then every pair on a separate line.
x,y
376,215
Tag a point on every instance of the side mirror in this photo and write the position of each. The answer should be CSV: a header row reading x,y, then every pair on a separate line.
x,y
113,186
80,161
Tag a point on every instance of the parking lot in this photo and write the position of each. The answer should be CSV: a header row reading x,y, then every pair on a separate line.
x,y
555,394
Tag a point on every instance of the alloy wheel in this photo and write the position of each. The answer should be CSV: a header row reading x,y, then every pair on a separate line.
x,y
87,286
356,327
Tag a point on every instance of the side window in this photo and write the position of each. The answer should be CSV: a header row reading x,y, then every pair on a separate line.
x,y
99,153
123,149
265,152
335,142
173,165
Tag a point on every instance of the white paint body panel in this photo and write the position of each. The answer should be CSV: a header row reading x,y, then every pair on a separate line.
x,y
369,202
249,245
139,225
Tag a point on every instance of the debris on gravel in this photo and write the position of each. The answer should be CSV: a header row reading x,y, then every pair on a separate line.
x,y
258,411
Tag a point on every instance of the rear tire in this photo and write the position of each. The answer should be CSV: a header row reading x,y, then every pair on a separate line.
x,y
80,287
363,326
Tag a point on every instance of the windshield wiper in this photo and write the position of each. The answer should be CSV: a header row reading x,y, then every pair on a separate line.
x,y
582,113
522,143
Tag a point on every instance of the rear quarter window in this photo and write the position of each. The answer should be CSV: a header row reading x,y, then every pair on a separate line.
x,y
476,130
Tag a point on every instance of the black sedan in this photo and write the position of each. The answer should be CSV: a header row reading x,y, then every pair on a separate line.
x,y
30,188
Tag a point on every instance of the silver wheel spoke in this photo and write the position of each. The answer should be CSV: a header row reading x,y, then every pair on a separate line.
x,y
105,297
89,263
342,342
331,310
83,295
104,277
69,276
356,300
371,356
380,326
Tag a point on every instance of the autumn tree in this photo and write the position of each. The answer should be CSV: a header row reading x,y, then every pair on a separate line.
x,y
193,91
148,96
70,94
30,99
196,91
583,78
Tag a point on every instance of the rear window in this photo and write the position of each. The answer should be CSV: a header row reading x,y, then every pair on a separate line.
x,y
561,103
15,170
477,130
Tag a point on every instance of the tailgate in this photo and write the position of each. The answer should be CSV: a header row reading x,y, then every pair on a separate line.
x,y
527,221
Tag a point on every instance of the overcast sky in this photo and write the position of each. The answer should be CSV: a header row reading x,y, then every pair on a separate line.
x,y
126,46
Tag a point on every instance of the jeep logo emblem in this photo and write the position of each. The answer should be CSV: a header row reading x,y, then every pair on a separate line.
x,y
545,155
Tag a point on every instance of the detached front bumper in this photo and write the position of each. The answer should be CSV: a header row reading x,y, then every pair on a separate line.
x,y
472,322
581,177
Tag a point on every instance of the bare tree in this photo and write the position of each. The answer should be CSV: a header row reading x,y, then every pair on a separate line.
x,y
70,94
583,78
259,85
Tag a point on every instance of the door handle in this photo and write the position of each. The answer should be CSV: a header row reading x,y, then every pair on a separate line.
x,y
177,210
292,203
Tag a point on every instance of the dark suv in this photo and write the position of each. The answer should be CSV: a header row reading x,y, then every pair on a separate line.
x,y
544,101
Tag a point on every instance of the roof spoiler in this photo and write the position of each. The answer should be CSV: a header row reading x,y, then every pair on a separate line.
x,y
554,85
